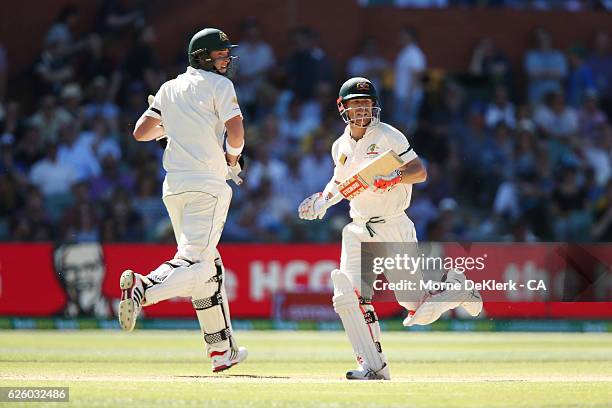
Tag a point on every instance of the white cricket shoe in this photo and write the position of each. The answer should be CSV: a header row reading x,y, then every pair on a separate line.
x,y
223,360
364,373
434,305
132,295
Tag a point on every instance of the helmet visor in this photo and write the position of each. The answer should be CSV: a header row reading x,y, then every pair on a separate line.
x,y
360,116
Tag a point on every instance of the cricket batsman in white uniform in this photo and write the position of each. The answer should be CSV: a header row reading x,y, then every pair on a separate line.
x,y
378,215
199,115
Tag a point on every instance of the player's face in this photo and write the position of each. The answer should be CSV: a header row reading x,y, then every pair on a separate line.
x,y
221,60
360,111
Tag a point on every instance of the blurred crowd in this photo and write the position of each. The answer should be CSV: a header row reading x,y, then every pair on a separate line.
x,y
504,163
567,5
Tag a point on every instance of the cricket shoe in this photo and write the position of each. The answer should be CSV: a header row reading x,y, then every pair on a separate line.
x,y
364,373
223,360
434,305
132,294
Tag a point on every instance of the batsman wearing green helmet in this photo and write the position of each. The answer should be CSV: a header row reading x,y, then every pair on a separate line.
x,y
378,216
198,114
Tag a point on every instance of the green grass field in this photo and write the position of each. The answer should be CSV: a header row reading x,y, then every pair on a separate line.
x,y
297,369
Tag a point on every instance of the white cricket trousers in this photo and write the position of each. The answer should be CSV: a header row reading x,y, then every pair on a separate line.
x,y
197,218
395,228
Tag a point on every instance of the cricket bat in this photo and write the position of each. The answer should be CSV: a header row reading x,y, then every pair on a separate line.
x,y
363,178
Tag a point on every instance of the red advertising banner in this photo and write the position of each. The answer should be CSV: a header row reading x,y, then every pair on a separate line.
x,y
82,280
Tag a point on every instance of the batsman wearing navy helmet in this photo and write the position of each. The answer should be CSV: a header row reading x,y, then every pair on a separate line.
x,y
199,116
378,215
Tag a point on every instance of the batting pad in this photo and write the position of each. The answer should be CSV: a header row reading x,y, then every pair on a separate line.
x,y
210,302
176,277
363,339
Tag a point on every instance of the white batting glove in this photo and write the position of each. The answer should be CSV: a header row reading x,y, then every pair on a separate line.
x,y
233,173
313,207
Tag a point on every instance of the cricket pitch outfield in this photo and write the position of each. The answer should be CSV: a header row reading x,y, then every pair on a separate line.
x,y
150,368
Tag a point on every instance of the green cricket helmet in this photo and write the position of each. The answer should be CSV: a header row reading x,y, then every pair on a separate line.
x,y
203,43
359,88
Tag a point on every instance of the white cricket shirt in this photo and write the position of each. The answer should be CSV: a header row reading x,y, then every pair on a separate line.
x,y
194,108
349,155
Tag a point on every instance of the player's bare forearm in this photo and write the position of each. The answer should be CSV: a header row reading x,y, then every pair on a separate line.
x,y
235,137
148,128
413,172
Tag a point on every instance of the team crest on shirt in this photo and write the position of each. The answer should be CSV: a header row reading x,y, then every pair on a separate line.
x,y
372,150
342,159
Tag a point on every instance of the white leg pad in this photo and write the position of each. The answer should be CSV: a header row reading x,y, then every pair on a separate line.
x,y
363,339
173,278
212,308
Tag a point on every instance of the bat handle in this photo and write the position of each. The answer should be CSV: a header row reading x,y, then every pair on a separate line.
x,y
335,199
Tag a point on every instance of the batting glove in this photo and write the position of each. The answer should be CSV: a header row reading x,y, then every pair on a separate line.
x,y
233,172
313,207
388,181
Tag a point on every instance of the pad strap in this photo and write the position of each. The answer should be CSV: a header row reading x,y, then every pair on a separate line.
x,y
218,336
207,303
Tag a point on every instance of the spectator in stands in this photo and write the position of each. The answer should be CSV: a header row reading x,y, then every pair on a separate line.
x,y
580,79
31,222
114,17
602,226
111,177
8,164
323,102
294,187
63,30
52,175
121,222
241,224
72,97
600,63
142,62
102,104
264,166
294,126
489,62
555,118
545,67
307,65
12,122
275,213
450,223
255,63
101,141
369,63
77,152
148,205
598,155
53,68
410,66
317,166
49,119
591,118
569,206
78,222
29,149
501,110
